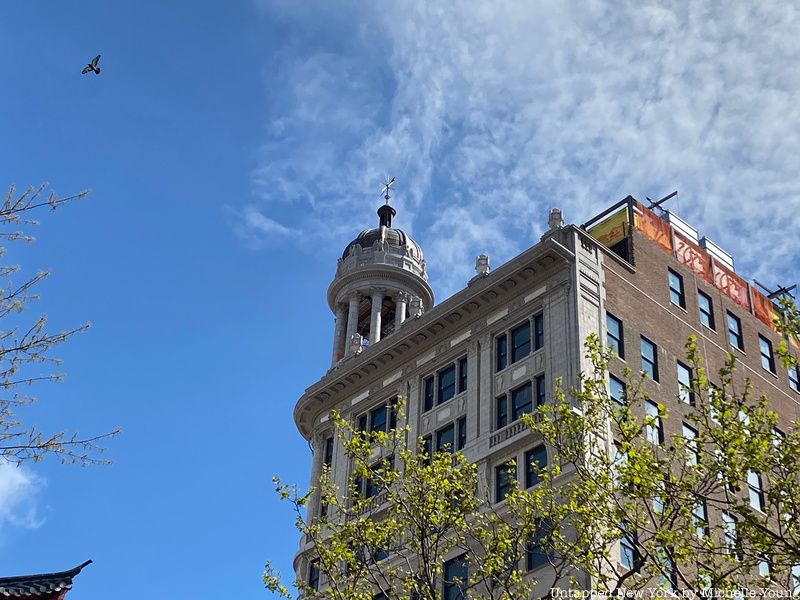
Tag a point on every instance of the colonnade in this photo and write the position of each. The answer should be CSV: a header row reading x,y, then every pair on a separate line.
x,y
347,318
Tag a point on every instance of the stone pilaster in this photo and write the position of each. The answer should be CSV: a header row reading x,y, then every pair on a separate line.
x,y
399,310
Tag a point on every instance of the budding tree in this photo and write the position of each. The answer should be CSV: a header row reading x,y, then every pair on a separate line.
x,y
26,346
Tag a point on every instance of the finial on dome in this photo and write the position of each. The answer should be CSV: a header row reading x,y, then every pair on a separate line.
x,y
386,212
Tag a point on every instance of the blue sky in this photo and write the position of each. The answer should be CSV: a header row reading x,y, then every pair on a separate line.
x,y
233,149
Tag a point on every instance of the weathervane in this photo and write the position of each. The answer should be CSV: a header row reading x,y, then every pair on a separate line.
x,y
389,183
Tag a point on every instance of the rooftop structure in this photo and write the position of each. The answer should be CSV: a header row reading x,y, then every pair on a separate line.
x,y
45,586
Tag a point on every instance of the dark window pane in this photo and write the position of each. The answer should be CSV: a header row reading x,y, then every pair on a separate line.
x,y
767,358
502,352
649,358
313,575
735,331
428,398
393,414
377,419
521,401
427,448
794,378
676,289
505,475
540,390
462,374
538,331
462,433
706,310
616,389
447,384
534,460
455,579
328,456
539,550
445,439
501,411
362,422
614,339
520,342
685,384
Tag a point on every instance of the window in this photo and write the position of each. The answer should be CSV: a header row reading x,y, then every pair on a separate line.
x,y
501,411
456,579
735,331
462,375
539,550
327,457
660,497
755,492
668,578
501,352
764,566
685,392
428,394
447,384
649,358
706,310
692,452
700,518
535,462
504,475
614,337
729,529
676,295
366,487
540,390
796,579
381,418
616,390
445,439
313,575
521,401
794,378
462,433
520,342
767,358
628,550
654,428
538,331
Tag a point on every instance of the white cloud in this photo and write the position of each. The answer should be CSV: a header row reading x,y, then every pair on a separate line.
x,y
19,488
257,229
492,114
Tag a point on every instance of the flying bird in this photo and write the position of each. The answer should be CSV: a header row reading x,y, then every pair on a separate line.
x,y
92,66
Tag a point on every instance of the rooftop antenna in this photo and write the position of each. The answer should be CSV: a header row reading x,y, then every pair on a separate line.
x,y
389,183
658,203
781,291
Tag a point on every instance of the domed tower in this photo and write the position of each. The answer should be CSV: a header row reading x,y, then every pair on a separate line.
x,y
380,281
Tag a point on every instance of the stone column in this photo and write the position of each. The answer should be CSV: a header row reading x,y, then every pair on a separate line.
x,y
352,319
375,319
339,333
399,310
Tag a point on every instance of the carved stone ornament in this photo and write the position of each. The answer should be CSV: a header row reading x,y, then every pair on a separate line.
x,y
356,343
482,264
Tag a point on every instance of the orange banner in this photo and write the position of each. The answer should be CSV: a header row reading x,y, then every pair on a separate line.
x,y
653,228
764,309
732,285
694,257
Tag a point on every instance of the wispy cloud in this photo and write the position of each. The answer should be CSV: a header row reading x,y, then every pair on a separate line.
x,y
257,229
19,489
491,114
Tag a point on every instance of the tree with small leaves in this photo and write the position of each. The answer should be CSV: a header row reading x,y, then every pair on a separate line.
x,y
620,506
